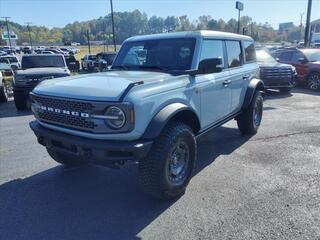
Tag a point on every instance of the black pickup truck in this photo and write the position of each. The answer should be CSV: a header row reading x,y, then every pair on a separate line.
x,y
34,69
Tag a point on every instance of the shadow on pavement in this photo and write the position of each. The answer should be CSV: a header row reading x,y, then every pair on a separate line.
x,y
8,109
274,94
306,91
92,202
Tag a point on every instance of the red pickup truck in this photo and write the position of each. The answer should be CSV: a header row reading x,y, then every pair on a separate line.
x,y
306,62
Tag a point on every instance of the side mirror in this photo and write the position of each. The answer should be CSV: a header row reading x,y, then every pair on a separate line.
x,y
210,65
278,59
302,60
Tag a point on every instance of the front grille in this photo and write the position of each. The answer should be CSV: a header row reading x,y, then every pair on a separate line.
x,y
53,112
280,74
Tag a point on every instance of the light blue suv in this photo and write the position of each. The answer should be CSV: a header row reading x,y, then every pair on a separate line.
x,y
162,92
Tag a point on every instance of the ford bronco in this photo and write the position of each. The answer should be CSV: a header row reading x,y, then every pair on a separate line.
x,y
151,108
34,69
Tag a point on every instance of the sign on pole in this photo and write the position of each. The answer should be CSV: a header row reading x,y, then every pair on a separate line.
x,y
5,36
239,6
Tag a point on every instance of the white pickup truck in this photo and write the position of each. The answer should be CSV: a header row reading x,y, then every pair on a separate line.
x,y
3,90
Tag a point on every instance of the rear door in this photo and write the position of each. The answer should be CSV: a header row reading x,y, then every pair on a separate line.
x,y
237,75
215,94
301,67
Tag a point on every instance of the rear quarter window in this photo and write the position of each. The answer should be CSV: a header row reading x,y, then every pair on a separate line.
x,y
249,51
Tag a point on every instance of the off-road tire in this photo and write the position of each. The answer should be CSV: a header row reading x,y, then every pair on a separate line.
x,y
154,170
3,95
246,120
20,100
65,159
285,89
313,81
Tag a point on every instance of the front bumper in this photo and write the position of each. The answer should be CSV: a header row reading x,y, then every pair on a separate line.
x,y
280,83
101,152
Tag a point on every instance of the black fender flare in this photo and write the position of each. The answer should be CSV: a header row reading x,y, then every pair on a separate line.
x,y
254,85
167,113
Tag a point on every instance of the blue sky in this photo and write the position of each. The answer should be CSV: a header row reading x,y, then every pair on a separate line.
x,y
58,13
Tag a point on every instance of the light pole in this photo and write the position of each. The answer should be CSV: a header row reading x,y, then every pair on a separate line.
x,y
239,6
307,30
301,25
28,26
88,37
112,21
6,19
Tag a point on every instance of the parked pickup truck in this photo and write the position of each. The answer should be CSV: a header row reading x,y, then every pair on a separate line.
x,y
35,69
151,110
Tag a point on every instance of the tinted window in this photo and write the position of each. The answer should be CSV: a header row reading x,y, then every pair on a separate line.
x,y
285,57
109,58
212,49
42,61
296,56
168,54
250,52
234,54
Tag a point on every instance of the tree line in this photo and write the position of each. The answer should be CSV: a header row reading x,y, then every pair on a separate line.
x,y
128,24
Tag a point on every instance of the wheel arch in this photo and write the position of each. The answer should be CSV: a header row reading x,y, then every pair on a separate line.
x,y
172,112
312,71
254,85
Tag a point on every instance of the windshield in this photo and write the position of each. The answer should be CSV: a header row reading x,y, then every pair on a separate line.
x,y
92,57
264,57
11,59
109,58
42,61
312,55
160,54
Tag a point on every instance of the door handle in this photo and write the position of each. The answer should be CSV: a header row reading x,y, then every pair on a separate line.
x,y
226,83
246,77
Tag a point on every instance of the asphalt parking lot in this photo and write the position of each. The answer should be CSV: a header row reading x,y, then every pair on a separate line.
x,y
263,187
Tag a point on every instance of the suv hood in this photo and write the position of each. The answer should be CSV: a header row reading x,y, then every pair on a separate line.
x,y
275,65
50,71
107,86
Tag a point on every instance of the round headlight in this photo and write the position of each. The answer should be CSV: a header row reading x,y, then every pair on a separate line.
x,y
115,117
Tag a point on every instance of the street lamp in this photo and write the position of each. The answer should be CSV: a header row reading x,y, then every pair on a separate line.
x,y
240,7
28,26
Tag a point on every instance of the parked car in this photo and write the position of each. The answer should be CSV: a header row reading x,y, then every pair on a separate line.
x,y
72,63
88,62
3,90
35,69
40,48
5,67
75,44
2,53
74,50
151,111
45,52
56,51
18,50
275,75
27,50
9,50
13,61
306,62
104,60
